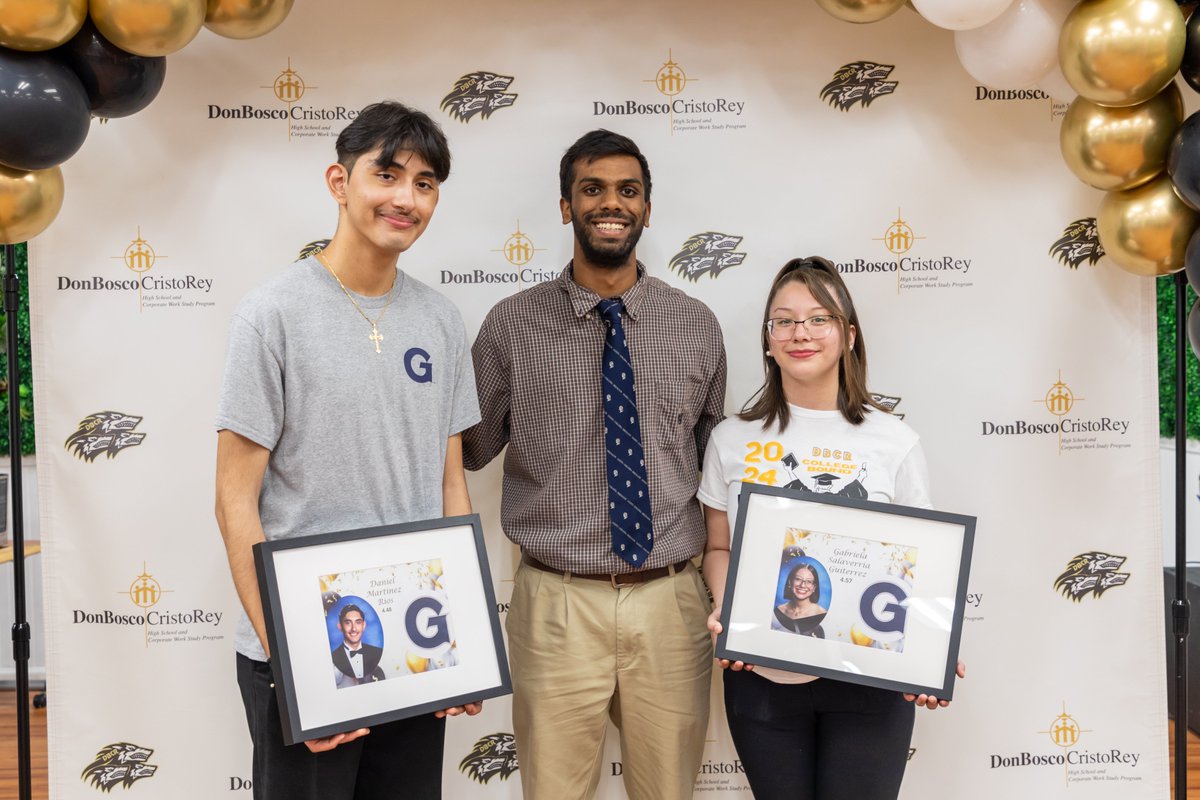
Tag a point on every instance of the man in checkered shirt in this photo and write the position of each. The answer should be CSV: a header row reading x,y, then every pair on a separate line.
x,y
593,636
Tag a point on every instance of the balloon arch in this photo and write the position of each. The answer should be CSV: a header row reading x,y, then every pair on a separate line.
x,y
1124,132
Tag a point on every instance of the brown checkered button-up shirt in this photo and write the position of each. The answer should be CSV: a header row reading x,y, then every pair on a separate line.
x,y
537,367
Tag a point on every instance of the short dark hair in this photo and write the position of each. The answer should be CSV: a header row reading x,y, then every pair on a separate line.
x,y
389,127
598,144
346,609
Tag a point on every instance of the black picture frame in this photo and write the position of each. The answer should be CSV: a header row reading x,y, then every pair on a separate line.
x,y
429,598
876,552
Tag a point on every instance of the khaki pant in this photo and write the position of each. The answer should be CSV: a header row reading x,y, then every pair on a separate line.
x,y
583,652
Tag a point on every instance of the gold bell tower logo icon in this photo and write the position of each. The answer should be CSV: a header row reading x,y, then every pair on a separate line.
x,y
1064,730
670,80
139,256
899,237
1059,399
289,86
518,248
145,591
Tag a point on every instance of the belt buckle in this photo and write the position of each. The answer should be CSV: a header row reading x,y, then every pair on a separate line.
x,y
612,578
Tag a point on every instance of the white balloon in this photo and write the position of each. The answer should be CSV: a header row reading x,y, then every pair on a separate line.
x,y
960,15
1018,48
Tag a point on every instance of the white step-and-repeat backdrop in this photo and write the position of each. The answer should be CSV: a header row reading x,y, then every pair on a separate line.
x,y
773,130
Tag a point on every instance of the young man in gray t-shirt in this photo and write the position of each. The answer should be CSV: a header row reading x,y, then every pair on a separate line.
x,y
347,384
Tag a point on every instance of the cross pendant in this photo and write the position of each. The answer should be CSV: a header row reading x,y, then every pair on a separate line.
x,y
376,337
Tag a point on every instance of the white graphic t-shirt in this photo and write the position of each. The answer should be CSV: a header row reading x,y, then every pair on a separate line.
x,y
880,460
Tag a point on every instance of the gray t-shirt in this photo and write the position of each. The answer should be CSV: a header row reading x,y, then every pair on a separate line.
x,y
357,438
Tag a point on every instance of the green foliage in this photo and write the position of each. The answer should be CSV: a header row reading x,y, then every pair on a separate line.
x,y
1166,365
24,363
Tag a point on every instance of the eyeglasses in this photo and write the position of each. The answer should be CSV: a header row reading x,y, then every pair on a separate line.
x,y
805,582
781,328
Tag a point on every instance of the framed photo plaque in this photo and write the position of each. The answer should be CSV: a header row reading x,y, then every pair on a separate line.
x,y
374,625
853,590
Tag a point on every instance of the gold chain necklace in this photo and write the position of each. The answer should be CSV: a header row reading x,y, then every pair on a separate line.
x,y
375,336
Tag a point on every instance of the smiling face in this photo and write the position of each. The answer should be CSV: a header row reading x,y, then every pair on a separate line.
x,y
352,625
607,209
803,583
808,366
387,206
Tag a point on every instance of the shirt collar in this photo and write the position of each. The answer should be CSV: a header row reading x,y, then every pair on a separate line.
x,y
584,300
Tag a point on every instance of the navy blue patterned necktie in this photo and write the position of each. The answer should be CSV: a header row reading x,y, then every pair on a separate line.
x,y
628,490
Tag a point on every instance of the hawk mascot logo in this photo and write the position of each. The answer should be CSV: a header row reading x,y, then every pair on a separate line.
x,y
858,82
479,93
708,253
494,754
121,764
1080,242
1093,573
104,432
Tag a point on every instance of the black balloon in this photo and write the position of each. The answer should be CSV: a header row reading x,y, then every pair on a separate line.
x,y
43,110
1193,323
1190,68
1191,261
1183,161
118,83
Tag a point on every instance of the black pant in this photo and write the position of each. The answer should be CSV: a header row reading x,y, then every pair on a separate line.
x,y
401,759
824,740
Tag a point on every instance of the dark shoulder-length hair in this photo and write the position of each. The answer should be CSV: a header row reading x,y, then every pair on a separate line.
x,y
768,404
815,597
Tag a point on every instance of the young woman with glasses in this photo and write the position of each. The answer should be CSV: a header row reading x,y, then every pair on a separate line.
x,y
799,736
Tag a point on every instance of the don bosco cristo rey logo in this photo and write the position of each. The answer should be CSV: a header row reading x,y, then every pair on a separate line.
x,y
513,263
119,764
859,83
909,260
1061,419
290,107
1066,743
140,273
675,101
147,607
478,94
1079,243
709,253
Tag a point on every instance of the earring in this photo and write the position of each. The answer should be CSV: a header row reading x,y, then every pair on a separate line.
x,y
767,353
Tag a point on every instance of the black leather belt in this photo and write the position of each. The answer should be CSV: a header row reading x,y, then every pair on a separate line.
x,y
616,579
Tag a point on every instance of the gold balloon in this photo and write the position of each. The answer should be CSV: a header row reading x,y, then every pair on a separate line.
x,y
861,10
1146,230
1119,148
859,638
149,27
245,19
40,24
416,663
1121,52
29,202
